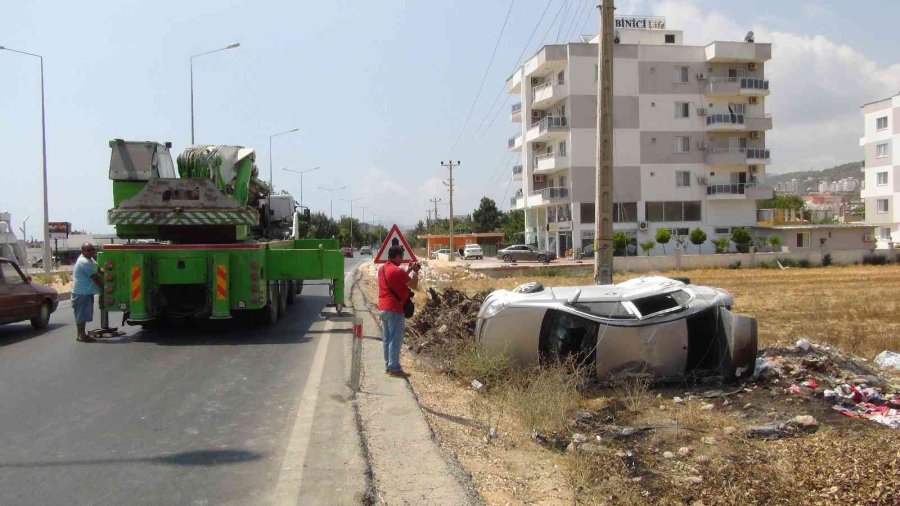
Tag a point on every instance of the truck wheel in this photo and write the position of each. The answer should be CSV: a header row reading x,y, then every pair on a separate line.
x,y
43,317
291,292
282,298
299,286
269,314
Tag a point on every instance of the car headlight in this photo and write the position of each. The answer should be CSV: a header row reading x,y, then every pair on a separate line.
x,y
495,307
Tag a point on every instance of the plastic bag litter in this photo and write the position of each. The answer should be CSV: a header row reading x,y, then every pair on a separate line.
x,y
888,359
762,365
803,344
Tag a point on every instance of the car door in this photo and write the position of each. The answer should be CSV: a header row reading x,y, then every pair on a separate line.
x,y
20,296
528,253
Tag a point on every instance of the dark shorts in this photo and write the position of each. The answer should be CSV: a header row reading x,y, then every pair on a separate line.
x,y
83,305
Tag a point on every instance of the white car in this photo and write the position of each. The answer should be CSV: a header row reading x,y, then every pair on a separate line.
x,y
649,325
473,251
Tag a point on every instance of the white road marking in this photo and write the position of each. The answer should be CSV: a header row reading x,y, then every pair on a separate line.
x,y
290,478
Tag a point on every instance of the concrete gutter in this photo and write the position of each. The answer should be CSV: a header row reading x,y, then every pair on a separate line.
x,y
408,466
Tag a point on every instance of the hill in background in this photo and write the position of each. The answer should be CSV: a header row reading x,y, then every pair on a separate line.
x,y
838,172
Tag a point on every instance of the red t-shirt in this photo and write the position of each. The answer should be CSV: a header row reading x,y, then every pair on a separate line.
x,y
397,278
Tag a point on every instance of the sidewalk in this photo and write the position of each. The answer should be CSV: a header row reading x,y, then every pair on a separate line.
x,y
406,461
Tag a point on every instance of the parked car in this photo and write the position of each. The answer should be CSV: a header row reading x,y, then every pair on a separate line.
x,y
650,325
520,252
365,250
442,251
22,299
348,252
472,251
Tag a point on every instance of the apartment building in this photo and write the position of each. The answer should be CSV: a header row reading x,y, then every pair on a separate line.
x,y
881,172
689,136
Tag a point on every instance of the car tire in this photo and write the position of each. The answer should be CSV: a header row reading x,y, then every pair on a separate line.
x,y
542,259
42,319
507,258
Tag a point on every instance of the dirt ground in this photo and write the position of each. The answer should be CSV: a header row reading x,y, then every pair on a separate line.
x,y
693,443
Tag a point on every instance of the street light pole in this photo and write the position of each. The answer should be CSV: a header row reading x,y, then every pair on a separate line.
x,y
351,201
301,172
46,248
229,46
271,183
331,192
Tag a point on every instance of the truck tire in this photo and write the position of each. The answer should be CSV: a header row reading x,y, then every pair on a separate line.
x,y
282,298
291,291
299,286
269,314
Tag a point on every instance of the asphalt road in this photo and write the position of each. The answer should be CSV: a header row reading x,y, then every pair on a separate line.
x,y
220,414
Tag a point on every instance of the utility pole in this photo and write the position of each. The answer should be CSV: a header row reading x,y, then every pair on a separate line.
x,y
351,201
603,204
435,201
450,165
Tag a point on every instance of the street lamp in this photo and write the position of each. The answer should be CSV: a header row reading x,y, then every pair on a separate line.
x,y
351,201
331,192
301,172
24,233
229,46
46,253
271,183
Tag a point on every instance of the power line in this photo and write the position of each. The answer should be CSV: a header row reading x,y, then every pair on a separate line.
x,y
483,78
547,33
566,8
575,22
587,19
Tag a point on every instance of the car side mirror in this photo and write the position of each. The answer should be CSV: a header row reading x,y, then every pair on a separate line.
x,y
28,279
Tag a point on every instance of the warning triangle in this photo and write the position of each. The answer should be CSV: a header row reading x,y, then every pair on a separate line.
x,y
395,238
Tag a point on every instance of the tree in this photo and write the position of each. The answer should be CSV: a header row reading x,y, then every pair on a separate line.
x,y
663,236
721,244
620,241
780,201
741,238
514,227
774,241
698,237
646,246
487,217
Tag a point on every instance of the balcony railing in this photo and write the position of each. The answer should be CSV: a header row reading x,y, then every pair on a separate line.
x,y
548,122
731,119
724,151
544,156
512,141
516,170
752,83
538,88
758,153
726,84
552,193
728,189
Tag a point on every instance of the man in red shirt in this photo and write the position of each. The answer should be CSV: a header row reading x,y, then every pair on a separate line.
x,y
394,285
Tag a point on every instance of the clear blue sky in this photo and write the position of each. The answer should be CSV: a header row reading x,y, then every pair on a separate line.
x,y
379,90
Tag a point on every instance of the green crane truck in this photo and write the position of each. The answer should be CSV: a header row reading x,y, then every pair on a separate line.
x,y
202,242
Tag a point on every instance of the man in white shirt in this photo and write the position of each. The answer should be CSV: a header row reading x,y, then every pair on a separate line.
x,y
85,286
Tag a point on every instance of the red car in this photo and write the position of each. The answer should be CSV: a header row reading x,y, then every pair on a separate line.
x,y
21,299
348,252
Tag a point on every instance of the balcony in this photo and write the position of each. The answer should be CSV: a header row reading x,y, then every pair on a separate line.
x,y
739,191
547,196
758,123
517,201
547,94
517,172
758,156
737,87
547,127
548,162
725,123
726,156
515,113
514,143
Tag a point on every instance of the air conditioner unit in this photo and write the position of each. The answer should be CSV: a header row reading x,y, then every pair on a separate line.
x,y
536,114
754,135
868,238
751,66
701,76
701,145
754,169
539,178
702,181
701,111
754,100
535,81
643,226
539,145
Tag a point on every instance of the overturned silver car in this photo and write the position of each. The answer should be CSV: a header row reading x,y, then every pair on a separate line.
x,y
649,325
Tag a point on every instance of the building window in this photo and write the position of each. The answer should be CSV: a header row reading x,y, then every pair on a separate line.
x,y
882,205
881,150
881,123
587,212
681,74
673,211
884,233
682,144
562,149
736,108
682,110
882,178
670,38
679,232
803,239
722,230
682,178
624,212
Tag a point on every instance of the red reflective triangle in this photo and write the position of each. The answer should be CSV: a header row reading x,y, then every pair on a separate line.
x,y
395,233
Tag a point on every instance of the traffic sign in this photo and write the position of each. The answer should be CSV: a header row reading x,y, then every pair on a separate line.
x,y
395,238
59,229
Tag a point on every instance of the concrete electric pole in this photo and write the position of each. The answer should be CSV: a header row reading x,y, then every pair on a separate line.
x,y
435,201
450,165
603,204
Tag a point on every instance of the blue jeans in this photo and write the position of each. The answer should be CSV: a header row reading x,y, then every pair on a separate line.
x,y
392,338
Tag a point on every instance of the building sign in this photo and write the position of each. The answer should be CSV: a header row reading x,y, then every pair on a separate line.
x,y
641,22
59,229
565,226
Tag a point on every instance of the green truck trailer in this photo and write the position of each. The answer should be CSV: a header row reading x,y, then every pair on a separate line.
x,y
204,241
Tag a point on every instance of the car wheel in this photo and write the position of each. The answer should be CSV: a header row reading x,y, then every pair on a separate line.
x,y
43,317
507,258
542,259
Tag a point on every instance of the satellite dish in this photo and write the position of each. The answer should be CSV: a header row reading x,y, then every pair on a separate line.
x,y
749,37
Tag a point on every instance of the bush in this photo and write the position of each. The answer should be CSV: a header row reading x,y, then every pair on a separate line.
x,y
721,244
620,241
874,259
735,265
698,237
646,246
663,236
804,264
826,260
741,239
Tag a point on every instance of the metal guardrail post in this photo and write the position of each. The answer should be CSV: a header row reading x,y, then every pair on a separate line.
x,y
356,355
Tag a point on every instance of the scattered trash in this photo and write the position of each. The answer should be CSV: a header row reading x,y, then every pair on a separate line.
x,y
888,360
677,400
684,451
707,407
709,440
492,433
884,415
668,455
579,438
804,422
795,389
803,344
477,385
